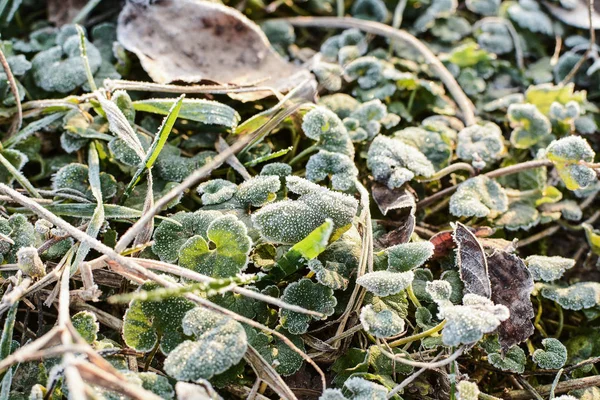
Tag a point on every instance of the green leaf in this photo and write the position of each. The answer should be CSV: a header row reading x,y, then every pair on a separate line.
x,y
548,269
309,295
147,323
519,215
432,140
528,15
593,237
382,324
205,111
286,361
467,390
223,253
332,274
75,176
86,324
338,167
542,96
530,126
216,191
553,357
258,191
478,197
408,256
566,154
385,283
220,342
514,360
468,55
483,142
157,384
328,131
579,296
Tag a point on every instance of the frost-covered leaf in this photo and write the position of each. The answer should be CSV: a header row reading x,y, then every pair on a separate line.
x,y
483,7
75,176
366,71
593,237
542,96
566,153
519,215
86,324
220,342
513,361
338,167
146,322
528,15
309,295
340,103
495,38
20,231
469,55
436,9
381,324
332,274
277,169
216,191
529,125
385,283
362,389
29,262
285,361
407,256
467,390
548,269
328,130
157,384
483,142
206,111
222,253
478,197
554,355
435,144
394,163
472,262
512,285
372,10
290,221
392,199
258,191
17,159
579,296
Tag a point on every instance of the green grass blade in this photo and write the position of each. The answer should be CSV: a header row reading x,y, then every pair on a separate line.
x,y
19,177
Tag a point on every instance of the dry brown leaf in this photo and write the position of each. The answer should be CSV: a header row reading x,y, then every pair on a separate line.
x,y
443,242
392,199
471,262
194,40
61,12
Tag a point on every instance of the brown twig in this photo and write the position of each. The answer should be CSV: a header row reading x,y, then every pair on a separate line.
x,y
15,91
563,387
589,50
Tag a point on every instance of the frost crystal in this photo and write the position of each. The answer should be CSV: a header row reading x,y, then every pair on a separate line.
x,y
437,9
483,7
478,197
276,169
332,274
340,103
362,389
30,263
381,324
258,191
216,191
385,283
440,291
483,142
373,10
367,71
554,355
566,154
433,139
548,268
495,38
514,360
467,390
580,296
309,295
407,256
393,162
328,130
339,167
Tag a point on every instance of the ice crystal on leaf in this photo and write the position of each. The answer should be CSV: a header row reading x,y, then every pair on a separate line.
x,y
432,139
495,38
579,296
29,262
548,269
367,71
258,191
373,10
329,75
86,324
566,154
530,126
328,130
554,355
276,169
407,256
339,167
309,295
513,361
220,342
467,390
340,103
385,283
381,324
437,9
75,177
348,38
216,191
332,274
478,197
222,252
483,7
394,163
483,142
528,15
20,231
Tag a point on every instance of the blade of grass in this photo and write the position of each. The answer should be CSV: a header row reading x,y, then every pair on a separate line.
x,y
31,129
19,177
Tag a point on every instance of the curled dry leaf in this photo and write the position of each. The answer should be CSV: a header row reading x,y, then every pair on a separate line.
x,y
471,261
208,41
512,285
443,242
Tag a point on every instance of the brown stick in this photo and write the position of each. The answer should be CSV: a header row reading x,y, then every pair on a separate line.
x,y
562,387
15,91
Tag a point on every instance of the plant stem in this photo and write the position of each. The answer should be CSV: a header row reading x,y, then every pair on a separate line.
x,y
303,154
15,91
562,387
461,166
412,297
19,177
583,59
413,338
84,58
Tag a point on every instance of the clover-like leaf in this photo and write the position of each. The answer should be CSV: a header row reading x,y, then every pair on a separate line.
x,y
483,7
216,191
285,360
366,71
277,169
20,231
332,274
339,167
554,355
328,74
224,251
478,197
435,144
147,322
519,215
86,324
548,269
514,360
566,154
75,176
382,324
579,296
365,121
350,37
385,283
309,295
258,191
467,390
496,39
483,142
394,162
362,389
528,15
437,9
407,256
325,127
529,125
220,342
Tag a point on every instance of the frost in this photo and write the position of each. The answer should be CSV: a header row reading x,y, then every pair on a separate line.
x,y
290,221
467,390
469,55
332,274
329,75
579,296
17,159
566,154
20,231
385,283
495,38
504,102
367,71
381,324
61,68
529,125
285,360
309,295
258,191
86,324
478,197
147,322
528,15
372,10
222,253
332,394
75,177
483,142
340,103
328,130
280,34
407,256
216,191
514,360
30,263
348,38
276,169
483,7
432,140
339,167
157,384
366,120
554,355
208,112
585,125
548,269
362,389
542,96
519,215
437,9
440,292
393,162
220,342
471,82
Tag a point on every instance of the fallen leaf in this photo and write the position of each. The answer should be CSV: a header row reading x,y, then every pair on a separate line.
x,y
472,262
194,40
392,199
443,242
399,235
62,12
512,285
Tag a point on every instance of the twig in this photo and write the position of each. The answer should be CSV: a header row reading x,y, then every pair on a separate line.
x,y
427,365
562,387
409,380
376,28
111,85
589,50
15,91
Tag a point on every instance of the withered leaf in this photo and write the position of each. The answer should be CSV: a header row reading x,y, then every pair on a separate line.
x,y
471,262
443,242
399,235
512,285
62,12
392,199
194,40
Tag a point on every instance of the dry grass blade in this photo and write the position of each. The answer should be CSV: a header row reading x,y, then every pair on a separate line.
x,y
15,92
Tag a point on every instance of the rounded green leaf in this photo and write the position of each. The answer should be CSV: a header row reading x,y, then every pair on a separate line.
x,y
309,295
381,324
554,355
86,324
566,154
483,142
548,269
216,191
478,197
385,283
